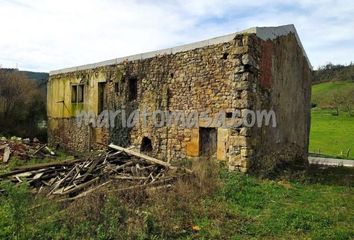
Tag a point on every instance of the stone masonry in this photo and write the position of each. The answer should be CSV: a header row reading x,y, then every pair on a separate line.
x,y
256,69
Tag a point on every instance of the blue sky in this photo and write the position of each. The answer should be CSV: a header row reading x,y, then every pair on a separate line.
x,y
43,35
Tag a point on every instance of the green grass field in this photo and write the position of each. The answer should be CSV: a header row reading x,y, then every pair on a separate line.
x,y
331,135
220,205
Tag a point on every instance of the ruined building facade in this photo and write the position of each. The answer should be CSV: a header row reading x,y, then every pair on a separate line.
x,y
256,69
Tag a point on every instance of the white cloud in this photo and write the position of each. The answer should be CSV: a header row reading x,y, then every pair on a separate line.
x,y
44,35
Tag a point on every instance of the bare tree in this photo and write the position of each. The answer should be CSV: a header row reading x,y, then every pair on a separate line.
x,y
349,102
19,101
337,101
16,91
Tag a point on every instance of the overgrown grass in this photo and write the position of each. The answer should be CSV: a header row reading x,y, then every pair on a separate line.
x,y
332,135
24,217
214,204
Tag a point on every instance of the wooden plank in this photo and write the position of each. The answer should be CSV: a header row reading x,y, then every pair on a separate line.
x,y
85,193
124,165
52,164
40,166
91,168
6,156
57,185
93,189
129,178
39,149
38,175
82,186
135,187
25,174
140,155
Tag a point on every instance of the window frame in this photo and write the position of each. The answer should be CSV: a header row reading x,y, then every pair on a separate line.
x,y
77,93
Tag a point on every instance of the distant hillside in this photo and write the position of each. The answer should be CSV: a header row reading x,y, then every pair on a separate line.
x,y
331,72
40,77
322,93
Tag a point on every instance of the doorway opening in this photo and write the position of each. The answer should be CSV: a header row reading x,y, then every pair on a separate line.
x,y
101,94
132,89
208,141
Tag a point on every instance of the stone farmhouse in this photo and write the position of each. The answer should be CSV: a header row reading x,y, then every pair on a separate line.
x,y
237,75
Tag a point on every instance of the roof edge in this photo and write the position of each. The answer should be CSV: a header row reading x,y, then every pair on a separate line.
x,y
265,33
270,33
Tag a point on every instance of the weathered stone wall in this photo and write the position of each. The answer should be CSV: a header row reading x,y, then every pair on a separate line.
x,y
246,73
285,87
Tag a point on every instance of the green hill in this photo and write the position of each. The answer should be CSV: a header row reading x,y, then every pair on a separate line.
x,y
38,76
322,92
331,135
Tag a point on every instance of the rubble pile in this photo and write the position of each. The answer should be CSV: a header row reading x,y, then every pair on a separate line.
x,y
79,177
22,149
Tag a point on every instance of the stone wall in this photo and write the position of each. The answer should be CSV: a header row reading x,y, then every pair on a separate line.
x,y
285,87
237,74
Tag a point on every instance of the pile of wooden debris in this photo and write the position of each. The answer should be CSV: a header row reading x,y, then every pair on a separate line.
x,y
22,149
79,177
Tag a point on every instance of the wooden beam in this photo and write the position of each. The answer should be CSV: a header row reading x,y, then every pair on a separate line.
x,y
129,178
40,166
81,186
143,156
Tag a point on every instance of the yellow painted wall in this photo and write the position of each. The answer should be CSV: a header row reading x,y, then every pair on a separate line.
x,y
59,95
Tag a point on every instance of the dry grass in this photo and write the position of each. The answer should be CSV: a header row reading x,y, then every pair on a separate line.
x,y
167,212
175,210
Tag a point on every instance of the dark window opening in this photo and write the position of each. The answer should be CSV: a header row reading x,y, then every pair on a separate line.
x,y
224,56
101,88
247,67
146,145
132,89
168,102
116,88
208,141
229,115
77,93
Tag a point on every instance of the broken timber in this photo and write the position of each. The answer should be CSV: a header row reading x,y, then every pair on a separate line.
x,y
80,177
140,155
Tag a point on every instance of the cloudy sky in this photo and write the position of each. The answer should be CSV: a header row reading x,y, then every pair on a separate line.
x,y
44,35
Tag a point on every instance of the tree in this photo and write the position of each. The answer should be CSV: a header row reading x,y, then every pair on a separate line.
x,y
336,102
349,102
21,103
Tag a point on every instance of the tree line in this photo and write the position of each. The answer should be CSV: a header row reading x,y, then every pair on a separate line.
x,y
334,72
